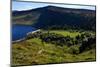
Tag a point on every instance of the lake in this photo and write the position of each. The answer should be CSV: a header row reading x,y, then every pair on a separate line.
x,y
20,31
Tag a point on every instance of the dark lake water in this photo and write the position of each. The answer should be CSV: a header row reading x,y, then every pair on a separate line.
x,y
20,31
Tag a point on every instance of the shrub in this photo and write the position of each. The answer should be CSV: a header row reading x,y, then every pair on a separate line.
x,y
88,44
73,49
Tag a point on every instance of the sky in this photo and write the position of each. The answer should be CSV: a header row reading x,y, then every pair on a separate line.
x,y
16,5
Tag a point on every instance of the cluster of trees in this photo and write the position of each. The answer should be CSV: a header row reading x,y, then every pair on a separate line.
x,y
34,35
56,39
61,27
84,41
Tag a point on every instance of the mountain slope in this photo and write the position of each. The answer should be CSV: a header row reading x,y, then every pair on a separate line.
x,y
57,16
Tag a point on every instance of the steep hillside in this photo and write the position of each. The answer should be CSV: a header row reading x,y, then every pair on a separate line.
x,y
52,16
60,17
25,17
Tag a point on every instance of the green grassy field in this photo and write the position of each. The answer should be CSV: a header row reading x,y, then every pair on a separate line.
x,y
65,33
34,51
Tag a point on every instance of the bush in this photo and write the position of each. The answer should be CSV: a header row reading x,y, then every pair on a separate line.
x,y
88,44
73,49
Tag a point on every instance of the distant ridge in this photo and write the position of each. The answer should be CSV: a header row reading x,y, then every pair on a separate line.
x,y
53,15
52,7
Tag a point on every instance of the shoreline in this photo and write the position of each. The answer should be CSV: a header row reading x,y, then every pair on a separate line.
x,y
22,39
19,40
